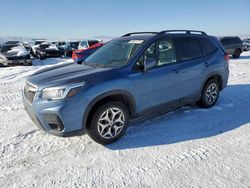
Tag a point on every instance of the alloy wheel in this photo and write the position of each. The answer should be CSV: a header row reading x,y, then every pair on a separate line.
x,y
111,123
211,93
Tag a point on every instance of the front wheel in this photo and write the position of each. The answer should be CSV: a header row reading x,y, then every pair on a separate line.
x,y
210,94
109,122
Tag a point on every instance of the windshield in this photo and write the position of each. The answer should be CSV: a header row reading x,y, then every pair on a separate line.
x,y
44,46
38,42
74,44
7,48
115,53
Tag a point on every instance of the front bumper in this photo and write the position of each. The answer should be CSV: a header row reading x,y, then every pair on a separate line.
x,y
51,54
16,60
58,117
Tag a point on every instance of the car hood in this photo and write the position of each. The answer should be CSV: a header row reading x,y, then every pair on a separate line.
x,y
62,75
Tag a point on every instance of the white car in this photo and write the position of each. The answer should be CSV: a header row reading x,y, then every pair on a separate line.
x,y
84,44
35,44
14,54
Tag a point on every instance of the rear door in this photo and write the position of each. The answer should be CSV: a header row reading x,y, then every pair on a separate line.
x,y
193,66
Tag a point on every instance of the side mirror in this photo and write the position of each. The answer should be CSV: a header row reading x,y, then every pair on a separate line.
x,y
149,63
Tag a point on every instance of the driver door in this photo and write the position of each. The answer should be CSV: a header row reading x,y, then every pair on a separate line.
x,y
159,85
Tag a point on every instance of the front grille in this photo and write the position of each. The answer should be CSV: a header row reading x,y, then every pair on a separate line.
x,y
29,92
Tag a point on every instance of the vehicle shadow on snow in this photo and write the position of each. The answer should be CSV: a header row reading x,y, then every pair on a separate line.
x,y
189,123
244,57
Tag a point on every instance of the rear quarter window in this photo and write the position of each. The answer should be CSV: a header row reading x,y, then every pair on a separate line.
x,y
189,48
208,46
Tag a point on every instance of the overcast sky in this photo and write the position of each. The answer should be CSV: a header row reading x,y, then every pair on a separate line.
x,y
91,18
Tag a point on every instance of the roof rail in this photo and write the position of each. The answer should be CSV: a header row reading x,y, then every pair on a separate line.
x,y
183,31
138,33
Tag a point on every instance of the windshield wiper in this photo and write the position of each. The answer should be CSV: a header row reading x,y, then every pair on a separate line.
x,y
96,65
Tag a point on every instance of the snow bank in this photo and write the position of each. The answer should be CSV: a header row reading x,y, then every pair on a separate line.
x,y
190,147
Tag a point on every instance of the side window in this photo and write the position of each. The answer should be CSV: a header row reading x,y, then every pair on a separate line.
x,y
161,51
231,41
238,40
84,44
166,52
189,48
209,47
150,53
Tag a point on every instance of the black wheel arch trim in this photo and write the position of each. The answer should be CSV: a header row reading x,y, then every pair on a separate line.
x,y
209,76
131,101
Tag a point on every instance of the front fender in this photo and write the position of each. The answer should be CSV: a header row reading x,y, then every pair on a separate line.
x,y
96,93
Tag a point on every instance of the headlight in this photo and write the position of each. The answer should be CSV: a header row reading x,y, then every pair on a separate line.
x,y
61,92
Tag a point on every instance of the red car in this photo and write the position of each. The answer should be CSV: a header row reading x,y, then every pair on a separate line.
x,y
80,55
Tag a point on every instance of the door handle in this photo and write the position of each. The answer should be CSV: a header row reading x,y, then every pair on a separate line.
x,y
177,70
207,64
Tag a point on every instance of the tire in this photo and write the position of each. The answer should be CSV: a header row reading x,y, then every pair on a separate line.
x,y
237,53
41,57
27,61
108,123
32,53
210,94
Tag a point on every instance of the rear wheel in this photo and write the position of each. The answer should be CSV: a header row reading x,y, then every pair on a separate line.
x,y
237,53
109,122
41,57
27,61
210,94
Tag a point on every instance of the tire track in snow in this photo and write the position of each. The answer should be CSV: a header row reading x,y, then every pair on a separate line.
x,y
241,136
11,96
11,107
191,156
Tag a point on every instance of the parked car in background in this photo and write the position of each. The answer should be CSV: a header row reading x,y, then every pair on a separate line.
x,y
80,55
35,44
84,44
11,54
27,46
12,42
68,48
46,50
246,44
131,77
232,45
59,43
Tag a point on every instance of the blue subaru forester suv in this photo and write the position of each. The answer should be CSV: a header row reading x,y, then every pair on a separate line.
x,y
131,77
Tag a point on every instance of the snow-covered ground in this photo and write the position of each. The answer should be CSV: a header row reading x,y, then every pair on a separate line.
x,y
190,147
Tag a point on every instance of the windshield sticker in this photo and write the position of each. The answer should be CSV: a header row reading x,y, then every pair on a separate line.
x,y
135,42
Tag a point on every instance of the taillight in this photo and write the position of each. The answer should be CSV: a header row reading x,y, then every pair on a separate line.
x,y
73,55
226,57
76,55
